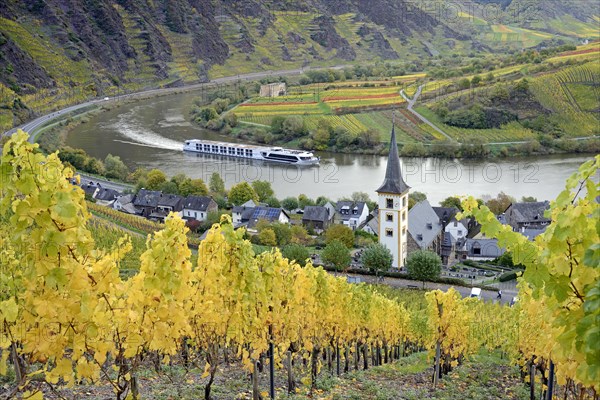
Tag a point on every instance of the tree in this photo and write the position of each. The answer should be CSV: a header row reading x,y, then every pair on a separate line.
x,y
360,196
500,203
322,200
289,203
195,187
451,201
296,252
94,166
283,233
300,235
340,233
415,197
369,138
216,184
156,178
272,202
115,168
267,237
263,189
169,187
178,179
241,193
336,255
528,199
424,265
377,258
321,138
304,200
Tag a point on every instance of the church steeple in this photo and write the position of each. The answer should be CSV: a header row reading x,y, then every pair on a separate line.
x,y
393,208
393,182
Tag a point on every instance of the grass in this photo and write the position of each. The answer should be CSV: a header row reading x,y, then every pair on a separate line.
x,y
509,132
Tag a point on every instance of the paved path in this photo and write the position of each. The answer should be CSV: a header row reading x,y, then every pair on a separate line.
x,y
411,103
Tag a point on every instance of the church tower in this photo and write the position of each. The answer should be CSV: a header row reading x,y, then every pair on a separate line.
x,y
393,207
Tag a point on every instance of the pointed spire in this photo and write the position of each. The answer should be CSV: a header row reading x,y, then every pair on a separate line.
x,y
393,182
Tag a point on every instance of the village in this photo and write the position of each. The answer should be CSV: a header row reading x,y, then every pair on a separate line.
x,y
408,226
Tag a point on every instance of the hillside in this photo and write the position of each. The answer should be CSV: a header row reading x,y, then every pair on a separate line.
x,y
59,52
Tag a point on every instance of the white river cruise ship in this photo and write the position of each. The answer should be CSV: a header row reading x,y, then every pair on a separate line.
x,y
275,154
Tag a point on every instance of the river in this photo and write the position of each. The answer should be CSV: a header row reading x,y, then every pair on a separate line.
x,y
150,134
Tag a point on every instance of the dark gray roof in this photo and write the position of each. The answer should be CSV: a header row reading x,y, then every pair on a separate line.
x,y
351,206
529,212
315,213
488,248
393,182
445,214
89,188
146,198
169,200
125,199
423,224
105,194
199,203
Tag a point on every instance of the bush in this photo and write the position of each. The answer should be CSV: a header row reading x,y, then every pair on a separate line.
x,y
508,276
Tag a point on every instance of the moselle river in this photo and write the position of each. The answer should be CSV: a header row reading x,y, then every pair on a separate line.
x,y
150,134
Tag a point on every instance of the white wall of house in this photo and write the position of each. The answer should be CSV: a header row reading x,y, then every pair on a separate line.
x,y
456,229
195,214
236,217
283,218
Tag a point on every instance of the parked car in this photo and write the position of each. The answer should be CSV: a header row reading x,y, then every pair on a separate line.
x,y
475,292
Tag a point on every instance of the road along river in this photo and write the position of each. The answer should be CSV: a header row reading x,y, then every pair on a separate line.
x,y
150,133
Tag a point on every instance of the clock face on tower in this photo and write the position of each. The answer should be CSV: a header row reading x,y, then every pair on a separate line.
x,y
397,204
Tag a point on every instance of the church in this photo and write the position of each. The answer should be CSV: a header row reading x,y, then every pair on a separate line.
x,y
393,208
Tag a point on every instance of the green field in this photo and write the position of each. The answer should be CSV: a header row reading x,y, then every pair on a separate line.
x,y
508,132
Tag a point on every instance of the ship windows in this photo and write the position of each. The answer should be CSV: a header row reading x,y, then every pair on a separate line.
x,y
281,157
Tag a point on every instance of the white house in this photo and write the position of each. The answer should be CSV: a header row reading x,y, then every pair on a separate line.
x,y
457,229
198,207
242,213
351,213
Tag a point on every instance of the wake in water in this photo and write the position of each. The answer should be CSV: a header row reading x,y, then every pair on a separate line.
x,y
131,129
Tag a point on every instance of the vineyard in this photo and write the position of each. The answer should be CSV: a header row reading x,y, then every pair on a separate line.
x,y
68,317
573,94
347,99
510,132
132,222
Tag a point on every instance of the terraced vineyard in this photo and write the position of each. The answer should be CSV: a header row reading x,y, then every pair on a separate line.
x,y
333,102
509,132
573,94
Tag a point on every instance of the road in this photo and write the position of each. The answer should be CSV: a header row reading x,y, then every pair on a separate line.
x,y
486,295
31,126
118,186
411,103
